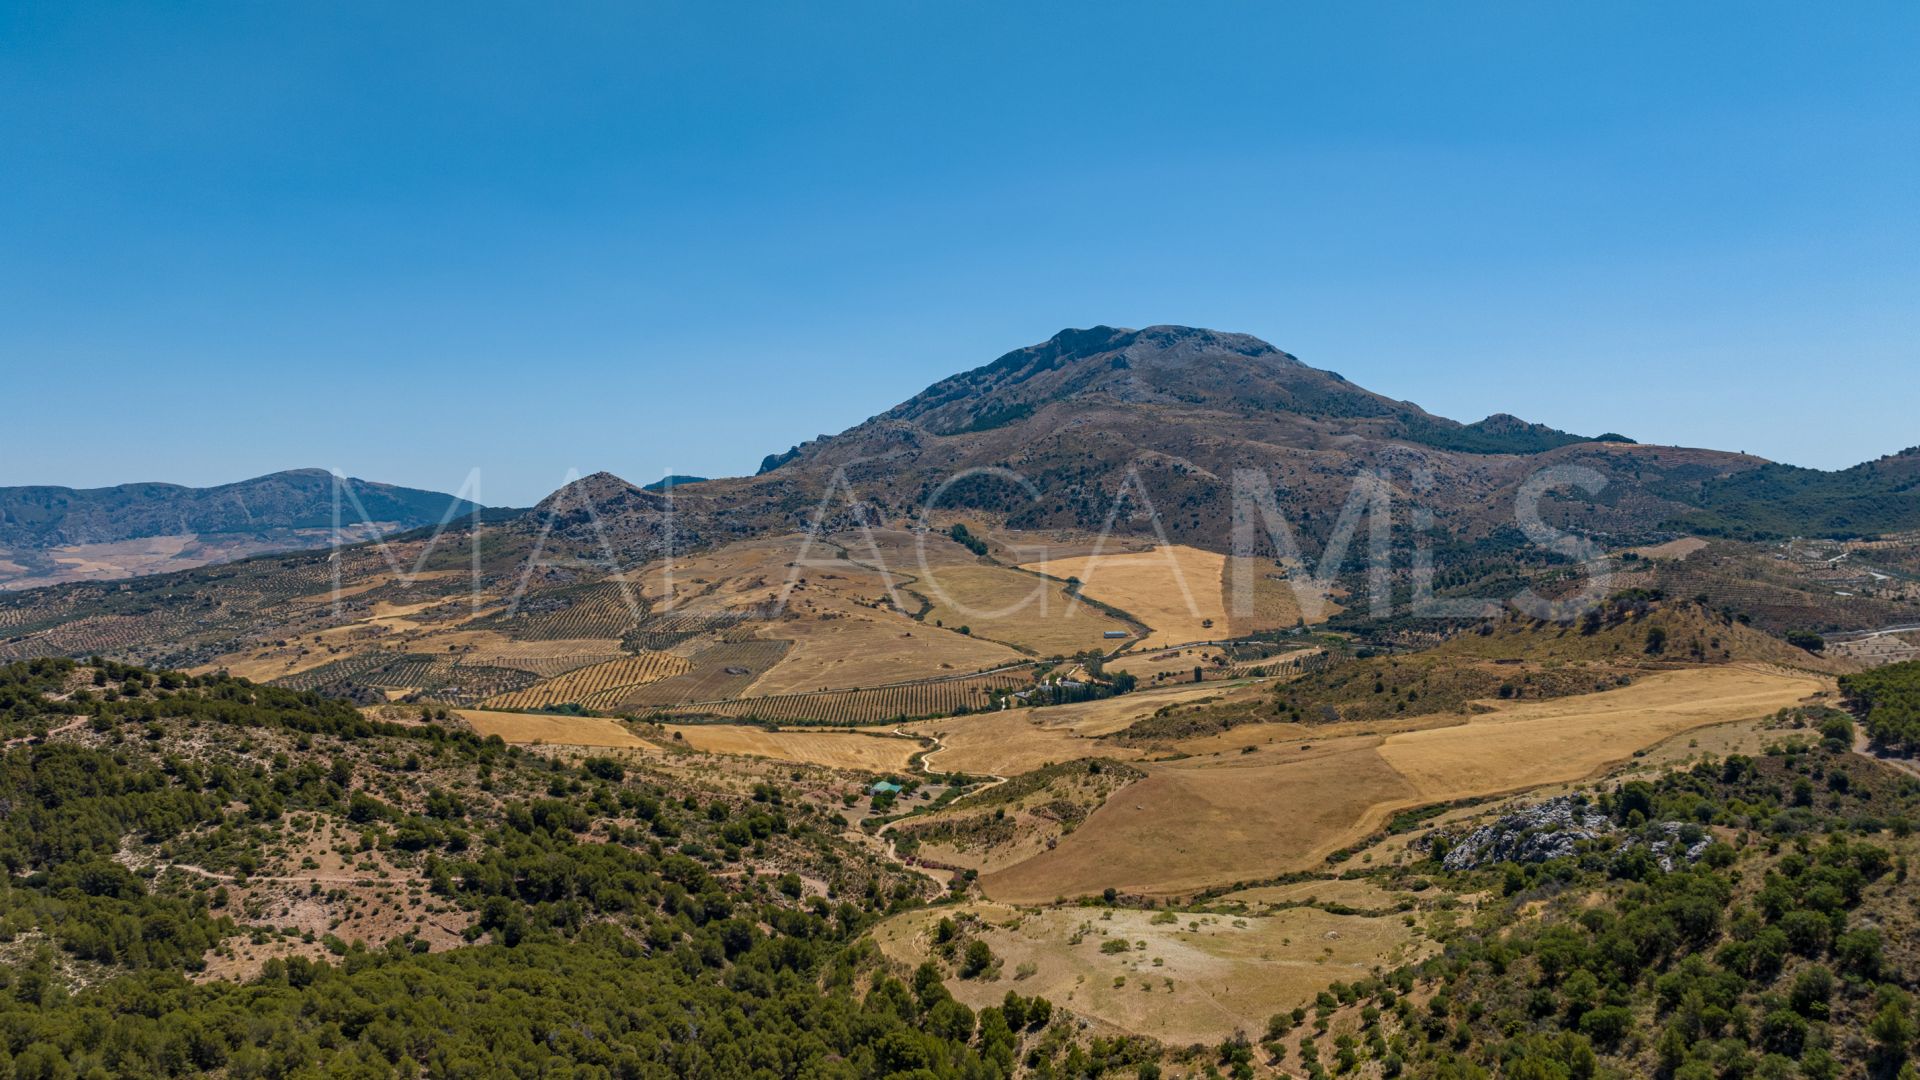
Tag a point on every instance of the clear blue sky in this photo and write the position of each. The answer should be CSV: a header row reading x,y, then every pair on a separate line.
x,y
407,240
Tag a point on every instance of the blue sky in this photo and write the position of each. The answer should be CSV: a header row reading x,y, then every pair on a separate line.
x,y
409,240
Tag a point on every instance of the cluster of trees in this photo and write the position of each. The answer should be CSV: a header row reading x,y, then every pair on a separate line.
x,y
1776,501
599,946
1888,701
964,537
1768,959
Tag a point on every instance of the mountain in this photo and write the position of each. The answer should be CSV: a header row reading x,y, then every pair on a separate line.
x,y
1168,414
52,534
673,480
1776,500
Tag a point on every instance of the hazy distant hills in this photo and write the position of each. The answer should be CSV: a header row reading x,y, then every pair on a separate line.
x,y
53,534
295,499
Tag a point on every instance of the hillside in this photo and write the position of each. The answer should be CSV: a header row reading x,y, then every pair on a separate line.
x,y
1103,422
1872,498
208,877
53,534
1513,658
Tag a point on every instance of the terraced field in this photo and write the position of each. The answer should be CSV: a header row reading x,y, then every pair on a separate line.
x,y
718,672
546,667
335,671
439,678
601,686
607,609
664,630
877,705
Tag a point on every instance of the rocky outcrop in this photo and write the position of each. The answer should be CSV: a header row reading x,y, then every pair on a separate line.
x,y
1555,829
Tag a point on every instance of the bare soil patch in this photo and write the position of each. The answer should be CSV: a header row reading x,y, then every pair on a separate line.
x,y
1181,982
557,730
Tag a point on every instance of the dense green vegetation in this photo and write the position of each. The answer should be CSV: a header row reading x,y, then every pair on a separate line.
x,y
1888,700
605,941
1490,437
1783,950
1774,501
964,537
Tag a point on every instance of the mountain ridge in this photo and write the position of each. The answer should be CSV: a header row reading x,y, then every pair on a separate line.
x,y
50,515
1185,409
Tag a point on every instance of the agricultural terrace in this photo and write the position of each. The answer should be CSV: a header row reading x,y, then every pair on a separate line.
x,y
876,705
1290,795
598,687
864,648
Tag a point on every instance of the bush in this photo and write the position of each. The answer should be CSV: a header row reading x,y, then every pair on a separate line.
x,y
976,960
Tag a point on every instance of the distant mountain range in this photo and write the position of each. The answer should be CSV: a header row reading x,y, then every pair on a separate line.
x,y
1098,424
53,534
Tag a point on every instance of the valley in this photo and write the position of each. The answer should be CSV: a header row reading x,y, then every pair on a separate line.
x,y
1088,745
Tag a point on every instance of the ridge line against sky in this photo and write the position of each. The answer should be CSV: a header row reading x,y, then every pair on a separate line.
x,y
406,243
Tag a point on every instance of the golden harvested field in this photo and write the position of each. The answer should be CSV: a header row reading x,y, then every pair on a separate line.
x,y
598,687
1529,743
1024,610
270,664
1181,983
875,705
1177,662
1672,549
1012,741
1284,806
833,749
553,730
1213,821
841,651
1182,592
1175,590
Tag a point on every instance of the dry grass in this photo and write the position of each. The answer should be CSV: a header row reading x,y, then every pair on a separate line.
x,y
1013,741
1181,592
1175,590
1274,805
1203,822
874,705
1539,742
833,749
1353,893
552,730
1179,662
1193,979
1672,549
1022,610
841,650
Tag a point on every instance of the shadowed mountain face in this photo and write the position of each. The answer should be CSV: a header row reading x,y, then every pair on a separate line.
x,y
1105,422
